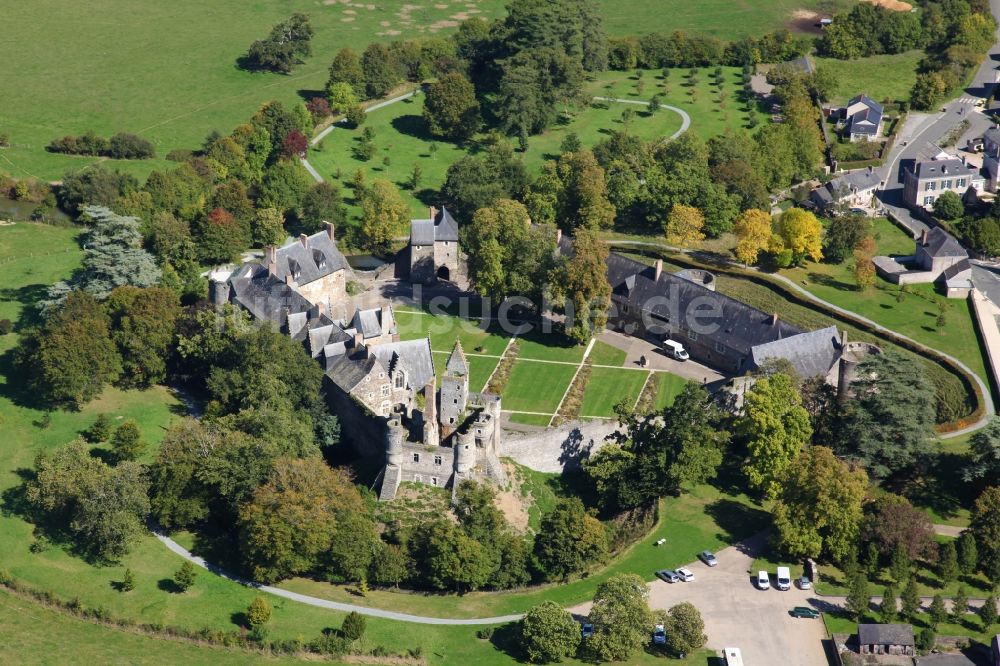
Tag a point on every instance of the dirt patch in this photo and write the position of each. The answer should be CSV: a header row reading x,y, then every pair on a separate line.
x,y
512,503
805,21
893,5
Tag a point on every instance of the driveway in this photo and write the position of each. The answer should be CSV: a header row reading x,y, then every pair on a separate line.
x,y
737,614
635,348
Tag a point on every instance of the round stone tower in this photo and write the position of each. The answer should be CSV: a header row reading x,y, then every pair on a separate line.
x,y
394,443
465,452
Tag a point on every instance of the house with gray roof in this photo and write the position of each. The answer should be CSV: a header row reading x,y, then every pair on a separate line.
x,y
847,189
896,639
937,258
433,248
862,118
929,179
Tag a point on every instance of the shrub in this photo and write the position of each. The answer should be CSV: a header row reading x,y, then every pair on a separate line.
x,y
354,626
184,577
124,146
100,431
356,116
6,326
258,612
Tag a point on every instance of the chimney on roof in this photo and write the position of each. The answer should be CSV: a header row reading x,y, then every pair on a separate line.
x,y
433,211
774,319
843,339
271,252
944,168
330,230
385,316
658,270
304,240
359,339
430,402
289,279
923,237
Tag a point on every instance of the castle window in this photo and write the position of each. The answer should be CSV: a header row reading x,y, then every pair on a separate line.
x,y
479,442
719,348
434,480
437,460
456,401
385,390
399,380
385,407
417,478
416,457
417,248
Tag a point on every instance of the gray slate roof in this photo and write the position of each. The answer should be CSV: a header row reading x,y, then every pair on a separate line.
x,y
812,353
867,120
456,364
265,296
370,323
740,327
441,228
941,168
315,259
942,244
885,634
414,355
944,660
348,370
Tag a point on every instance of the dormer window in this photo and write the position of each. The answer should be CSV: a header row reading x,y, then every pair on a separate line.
x,y
320,259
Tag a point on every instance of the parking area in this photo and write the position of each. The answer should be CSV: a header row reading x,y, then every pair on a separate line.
x,y
737,614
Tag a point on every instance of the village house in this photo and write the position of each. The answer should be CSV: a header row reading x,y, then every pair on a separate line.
x,y
929,179
895,639
848,189
434,251
861,119
937,258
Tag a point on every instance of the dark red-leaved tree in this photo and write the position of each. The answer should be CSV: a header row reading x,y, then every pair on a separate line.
x,y
295,143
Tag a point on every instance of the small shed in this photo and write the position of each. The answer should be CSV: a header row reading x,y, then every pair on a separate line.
x,y
886,639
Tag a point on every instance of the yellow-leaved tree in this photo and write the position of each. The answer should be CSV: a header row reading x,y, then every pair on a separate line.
x,y
683,226
800,233
753,233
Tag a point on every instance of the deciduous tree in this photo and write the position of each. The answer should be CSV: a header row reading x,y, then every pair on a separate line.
x,y
985,527
685,629
621,618
451,109
753,234
776,427
384,215
684,225
800,232
549,633
569,541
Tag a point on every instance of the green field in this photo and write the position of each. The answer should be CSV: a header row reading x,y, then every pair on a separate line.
x,y
541,420
167,71
537,386
401,135
710,115
880,77
668,386
606,387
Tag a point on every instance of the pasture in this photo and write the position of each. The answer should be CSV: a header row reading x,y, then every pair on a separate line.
x,y
167,71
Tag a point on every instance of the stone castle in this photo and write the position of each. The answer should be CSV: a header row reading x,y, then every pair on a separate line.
x,y
383,389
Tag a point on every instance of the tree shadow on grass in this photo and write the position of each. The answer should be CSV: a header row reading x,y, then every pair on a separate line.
x,y
736,520
240,619
828,281
507,639
942,489
413,125
28,296
218,547
308,95
168,585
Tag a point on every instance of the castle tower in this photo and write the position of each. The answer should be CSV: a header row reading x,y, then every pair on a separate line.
x,y
465,453
454,392
394,444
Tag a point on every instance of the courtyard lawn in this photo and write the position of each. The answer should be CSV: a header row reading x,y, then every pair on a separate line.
x,y
445,330
606,387
402,137
710,114
480,368
668,386
535,386
531,419
880,77
604,354
549,346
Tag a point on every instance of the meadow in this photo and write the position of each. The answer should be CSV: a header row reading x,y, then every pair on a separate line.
x,y
167,71
881,77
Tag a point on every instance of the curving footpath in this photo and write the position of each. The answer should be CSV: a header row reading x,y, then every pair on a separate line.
x,y
988,408
685,118
324,603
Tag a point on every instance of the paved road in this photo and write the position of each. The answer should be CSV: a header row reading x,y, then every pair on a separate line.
x,y
737,613
922,130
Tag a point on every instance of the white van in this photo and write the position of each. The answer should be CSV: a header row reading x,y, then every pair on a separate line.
x,y
784,578
676,350
733,656
763,580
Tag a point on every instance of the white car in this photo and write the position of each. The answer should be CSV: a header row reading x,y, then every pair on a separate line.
x,y
763,580
685,575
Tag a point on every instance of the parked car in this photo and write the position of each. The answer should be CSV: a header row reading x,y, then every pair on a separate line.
x,y
804,583
659,635
685,575
805,611
675,350
587,630
667,576
708,557
763,580
784,578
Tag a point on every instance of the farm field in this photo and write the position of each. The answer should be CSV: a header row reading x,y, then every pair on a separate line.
x,y
401,136
880,77
172,74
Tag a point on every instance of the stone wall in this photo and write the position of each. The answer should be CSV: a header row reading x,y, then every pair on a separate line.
x,y
556,449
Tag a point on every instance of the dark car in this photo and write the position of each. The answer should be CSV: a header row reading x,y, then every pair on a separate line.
x,y
587,630
667,576
805,611
708,557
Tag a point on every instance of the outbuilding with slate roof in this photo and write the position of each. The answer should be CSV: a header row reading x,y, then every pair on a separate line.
x,y
886,639
434,252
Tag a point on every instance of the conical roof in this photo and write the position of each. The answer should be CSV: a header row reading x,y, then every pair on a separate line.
x,y
456,365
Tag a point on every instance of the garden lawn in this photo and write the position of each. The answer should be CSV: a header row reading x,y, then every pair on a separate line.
x,y
531,419
703,518
604,354
445,330
880,77
536,386
552,346
401,136
668,387
710,116
480,368
606,387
